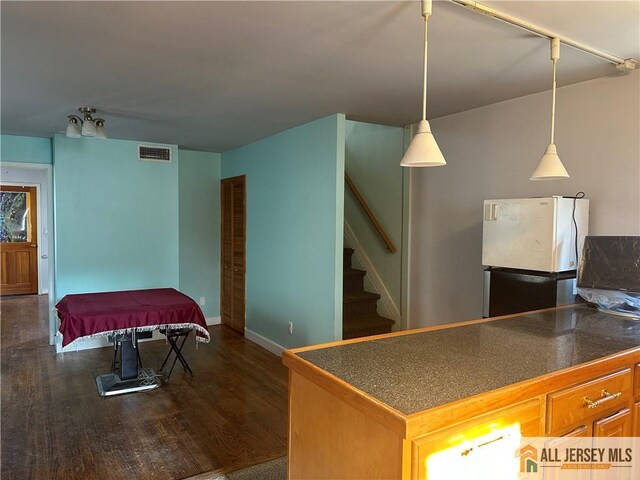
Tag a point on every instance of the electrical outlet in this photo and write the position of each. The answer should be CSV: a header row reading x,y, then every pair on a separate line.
x,y
203,301
290,328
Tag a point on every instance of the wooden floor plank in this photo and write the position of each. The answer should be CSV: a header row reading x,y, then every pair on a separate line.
x,y
55,426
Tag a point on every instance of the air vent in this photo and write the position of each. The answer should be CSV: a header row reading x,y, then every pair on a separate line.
x,y
154,154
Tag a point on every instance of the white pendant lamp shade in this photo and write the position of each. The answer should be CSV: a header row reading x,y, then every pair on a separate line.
x,y
73,128
88,129
423,150
550,167
101,133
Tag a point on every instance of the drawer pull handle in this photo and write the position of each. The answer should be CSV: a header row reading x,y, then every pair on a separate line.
x,y
469,450
606,396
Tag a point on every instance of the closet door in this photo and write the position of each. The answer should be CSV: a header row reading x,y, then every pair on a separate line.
x,y
233,255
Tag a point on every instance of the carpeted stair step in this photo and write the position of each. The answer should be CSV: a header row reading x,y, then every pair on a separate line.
x,y
353,281
365,326
359,305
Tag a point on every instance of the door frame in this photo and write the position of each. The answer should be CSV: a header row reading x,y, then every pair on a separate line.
x,y
48,168
244,178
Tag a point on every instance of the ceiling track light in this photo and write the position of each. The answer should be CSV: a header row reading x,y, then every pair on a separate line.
x,y
423,150
86,126
550,167
625,65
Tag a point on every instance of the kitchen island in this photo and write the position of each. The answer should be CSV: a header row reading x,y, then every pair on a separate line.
x,y
384,406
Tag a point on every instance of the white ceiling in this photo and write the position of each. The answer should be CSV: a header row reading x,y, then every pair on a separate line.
x,y
216,75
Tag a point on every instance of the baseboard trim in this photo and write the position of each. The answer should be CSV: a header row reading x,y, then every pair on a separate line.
x,y
213,320
273,347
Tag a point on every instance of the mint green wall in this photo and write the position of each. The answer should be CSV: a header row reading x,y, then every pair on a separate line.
x,y
116,217
295,201
199,221
372,159
15,148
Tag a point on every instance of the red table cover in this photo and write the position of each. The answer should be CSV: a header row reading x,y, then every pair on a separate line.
x,y
93,314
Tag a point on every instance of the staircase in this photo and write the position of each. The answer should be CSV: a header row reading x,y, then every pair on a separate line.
x,y
359,313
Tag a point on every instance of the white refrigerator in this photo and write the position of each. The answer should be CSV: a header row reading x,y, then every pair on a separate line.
x,y
536,234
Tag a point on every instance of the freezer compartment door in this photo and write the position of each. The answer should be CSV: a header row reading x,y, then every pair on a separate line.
x,y
519,233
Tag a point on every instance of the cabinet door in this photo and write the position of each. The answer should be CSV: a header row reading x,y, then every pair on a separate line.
x,y
636,420
616,425
480,446
568,440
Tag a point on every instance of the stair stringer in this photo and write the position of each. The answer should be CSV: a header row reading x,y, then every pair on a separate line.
x,y
372,274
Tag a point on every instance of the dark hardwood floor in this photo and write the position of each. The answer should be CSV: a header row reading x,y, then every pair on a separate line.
x,y
55,426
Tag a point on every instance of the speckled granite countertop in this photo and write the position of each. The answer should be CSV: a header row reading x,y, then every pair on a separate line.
x,y
415,372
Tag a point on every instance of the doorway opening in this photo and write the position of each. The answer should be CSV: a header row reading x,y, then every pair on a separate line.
x,y
40,178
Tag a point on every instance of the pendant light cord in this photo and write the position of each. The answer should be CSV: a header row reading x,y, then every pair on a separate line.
x,y
424,81
555,54
553,100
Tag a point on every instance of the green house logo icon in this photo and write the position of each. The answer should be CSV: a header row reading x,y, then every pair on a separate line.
x,y
528,459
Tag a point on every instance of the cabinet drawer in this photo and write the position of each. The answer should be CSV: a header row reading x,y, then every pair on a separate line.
x,y
636,381
462,450
574,404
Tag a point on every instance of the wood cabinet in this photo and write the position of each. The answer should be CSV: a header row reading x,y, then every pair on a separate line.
x,y
570,407
568,440
636,420
463,449
636,405
616,425
233,252
338,431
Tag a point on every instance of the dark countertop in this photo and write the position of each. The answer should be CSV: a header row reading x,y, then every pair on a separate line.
x,y
418,371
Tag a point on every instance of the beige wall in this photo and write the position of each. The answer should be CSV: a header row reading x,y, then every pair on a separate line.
x,y
491,152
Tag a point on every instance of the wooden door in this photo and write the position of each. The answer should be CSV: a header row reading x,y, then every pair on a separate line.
x,y
233,252
18,240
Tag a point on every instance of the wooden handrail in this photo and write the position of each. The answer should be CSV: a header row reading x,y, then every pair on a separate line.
x,y
356,193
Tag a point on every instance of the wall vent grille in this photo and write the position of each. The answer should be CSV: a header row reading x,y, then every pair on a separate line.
x,y
154,153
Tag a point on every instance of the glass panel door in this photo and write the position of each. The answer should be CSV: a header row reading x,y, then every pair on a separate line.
x,y
15,223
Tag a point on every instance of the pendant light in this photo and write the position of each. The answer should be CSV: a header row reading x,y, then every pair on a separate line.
x,y
550,167
423,150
